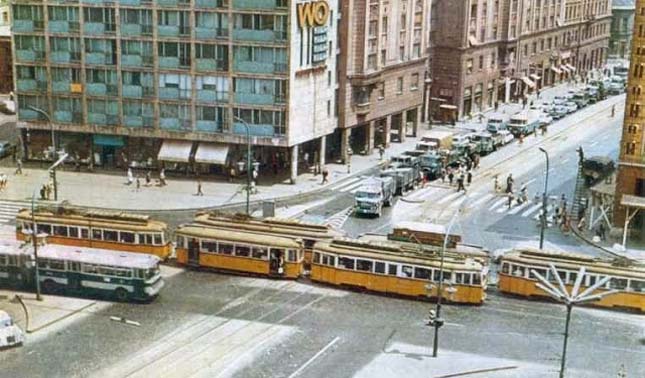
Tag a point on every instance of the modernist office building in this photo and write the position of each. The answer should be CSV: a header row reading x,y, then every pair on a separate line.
x,y
141,82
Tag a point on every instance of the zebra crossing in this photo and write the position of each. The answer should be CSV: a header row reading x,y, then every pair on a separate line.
x,y
348,186
9,210
337,220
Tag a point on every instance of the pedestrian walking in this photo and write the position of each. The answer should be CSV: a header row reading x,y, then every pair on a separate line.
x,y
451,176
476,161
601,231
130,176
18,167
613,111
460,183
496,105
48,191
199,188
509,183
381,152
443,175
538,92
469,177
138,181
510,199
254,175
162,177
148,178
42,192
563,202
521,139
325,175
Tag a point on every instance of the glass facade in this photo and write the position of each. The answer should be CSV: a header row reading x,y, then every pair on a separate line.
x,y
165,65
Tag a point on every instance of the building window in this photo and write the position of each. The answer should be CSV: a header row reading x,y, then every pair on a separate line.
x,y
481,62
469,66
630,148
381,90
399,85
414,82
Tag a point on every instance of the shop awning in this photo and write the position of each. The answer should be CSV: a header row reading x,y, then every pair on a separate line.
x,y
570,67
448,107
528,82
211,153
175,150
556,70
534,77
108,140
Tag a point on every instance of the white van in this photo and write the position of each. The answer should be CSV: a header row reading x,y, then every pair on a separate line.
x,y
10,333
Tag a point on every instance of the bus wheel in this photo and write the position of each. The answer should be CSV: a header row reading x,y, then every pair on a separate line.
x,y
121,294
50,286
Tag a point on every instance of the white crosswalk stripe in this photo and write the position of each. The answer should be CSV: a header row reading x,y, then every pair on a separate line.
x,y
337,220
352,186
482,199
531,210
496,204
517,208
345,183
449,198
9,209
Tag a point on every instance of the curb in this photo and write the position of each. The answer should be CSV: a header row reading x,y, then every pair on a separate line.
x,y
61,318
581,236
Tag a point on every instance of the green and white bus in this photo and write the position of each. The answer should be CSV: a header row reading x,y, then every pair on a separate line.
x,y
88,272
14,265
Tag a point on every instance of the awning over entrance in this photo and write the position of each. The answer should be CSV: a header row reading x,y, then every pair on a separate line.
x,y
108,140
211,153
556,70
535,77
570,67
448,107
528,82
177,151
633,201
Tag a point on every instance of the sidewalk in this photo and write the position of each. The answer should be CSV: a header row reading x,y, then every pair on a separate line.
x,y
104,190
613,244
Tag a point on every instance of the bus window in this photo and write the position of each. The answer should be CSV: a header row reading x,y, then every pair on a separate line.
x,y
97,234
346,263
126,237
379,267
638,286
618,283
242,250
56,265
316,257
110,235
122,272
90,269
209,246
60,231
47,229
226,248
406,271
422,273
260,253
73,232
74,266
364,265
158,239
292,255
42,263
392,269
3,260
85,233
106,271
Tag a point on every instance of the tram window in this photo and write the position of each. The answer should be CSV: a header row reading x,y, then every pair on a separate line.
x,y
60,231
97,234
518,271
180,241
618,283
242,250
73,232
56,265
505,268
637,286
477,279
563,276
406,271
391,269
110,235
209,246
541,272
292,255
591,280
226,248
572,277
422,273
364,265
260,253
379,267
145,239
316,258
462,278
46,228
158,239
126,237
84,233
346,263
329,260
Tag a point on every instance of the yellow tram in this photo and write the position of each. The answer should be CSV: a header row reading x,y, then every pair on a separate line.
x,y
239,251
515,276
309,233
97,229
390,268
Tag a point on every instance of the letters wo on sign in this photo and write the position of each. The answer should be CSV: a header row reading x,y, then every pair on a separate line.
x,y
313,14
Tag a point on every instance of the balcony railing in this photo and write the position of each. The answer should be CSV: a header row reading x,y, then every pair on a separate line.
x,y
362,108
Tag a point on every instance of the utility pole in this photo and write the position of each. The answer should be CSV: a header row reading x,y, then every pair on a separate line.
x,y
34,239
544,198
248,162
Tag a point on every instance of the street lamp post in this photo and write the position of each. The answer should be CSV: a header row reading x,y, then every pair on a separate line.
x,y
546,188
574,297
248,162
54,153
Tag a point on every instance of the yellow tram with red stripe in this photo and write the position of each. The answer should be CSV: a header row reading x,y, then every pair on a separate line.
x,y
390,268
627,277
110,230
239,251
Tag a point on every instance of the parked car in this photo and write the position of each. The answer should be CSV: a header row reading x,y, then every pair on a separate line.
x,y
10,334
558,112
593,94
545,119
570,106
6,148
507,137
559,100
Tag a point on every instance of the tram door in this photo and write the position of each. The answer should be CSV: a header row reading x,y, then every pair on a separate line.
x,y
193,252
276,262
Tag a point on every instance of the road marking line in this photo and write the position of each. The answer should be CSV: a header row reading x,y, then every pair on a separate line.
x,y
593,143
504,208
320,352
425,194
501,201
348,182
517,209
564,161
348,188
531,210
484,198
458,202
449,198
